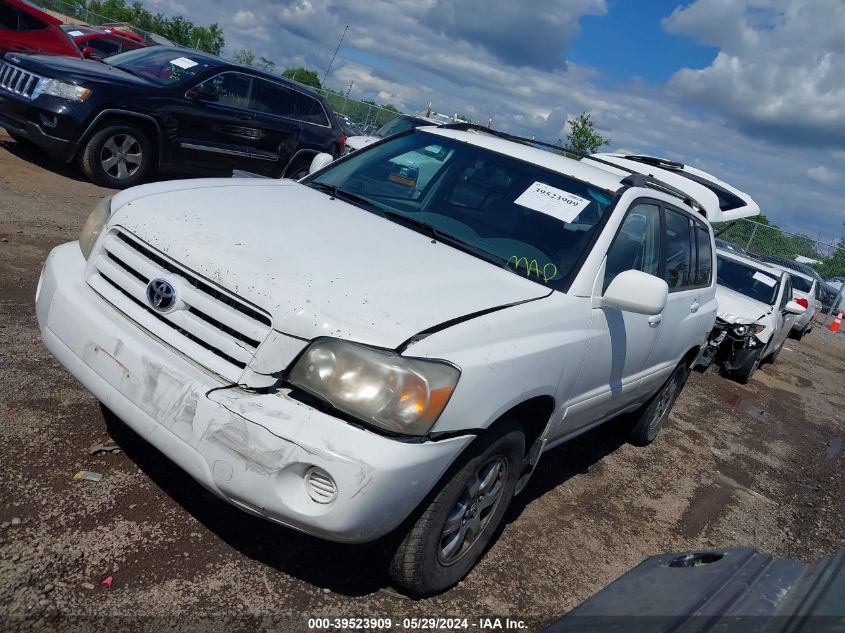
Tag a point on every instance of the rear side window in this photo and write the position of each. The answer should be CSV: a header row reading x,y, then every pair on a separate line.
x,y
679,259
273,98
704,259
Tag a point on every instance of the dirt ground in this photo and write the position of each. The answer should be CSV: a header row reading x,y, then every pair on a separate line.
x,y
758,465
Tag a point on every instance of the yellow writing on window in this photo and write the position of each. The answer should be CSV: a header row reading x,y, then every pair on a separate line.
x,y
547,272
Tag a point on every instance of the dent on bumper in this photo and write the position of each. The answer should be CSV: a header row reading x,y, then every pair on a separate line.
x,y
251,450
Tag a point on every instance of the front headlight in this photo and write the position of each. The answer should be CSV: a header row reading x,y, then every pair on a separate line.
x,y
65,90
403,395
93,225
740,330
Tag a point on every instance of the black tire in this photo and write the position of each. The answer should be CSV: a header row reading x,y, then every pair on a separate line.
x,y
652,417
117,156
796,335
431,558
299,169
773,357
743,374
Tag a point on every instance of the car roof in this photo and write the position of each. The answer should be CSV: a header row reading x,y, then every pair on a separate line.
x,y
750,261
591,174
721,201
786,264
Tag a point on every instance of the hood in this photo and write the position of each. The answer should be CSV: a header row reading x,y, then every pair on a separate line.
x,y
735,307
357,142
82,70
319,266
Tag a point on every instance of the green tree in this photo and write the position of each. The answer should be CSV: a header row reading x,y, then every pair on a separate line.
x,y
582,137
303,76
267,65
243,56
209,38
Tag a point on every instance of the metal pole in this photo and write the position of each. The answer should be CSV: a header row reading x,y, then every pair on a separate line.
x,y
335,53
750,239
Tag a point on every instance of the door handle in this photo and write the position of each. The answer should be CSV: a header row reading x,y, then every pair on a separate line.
x,y
695,306
654,320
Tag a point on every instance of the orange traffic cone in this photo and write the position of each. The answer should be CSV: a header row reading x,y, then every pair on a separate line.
x,y
837,322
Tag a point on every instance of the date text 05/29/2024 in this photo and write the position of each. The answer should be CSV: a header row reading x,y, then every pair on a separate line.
x,y
417,624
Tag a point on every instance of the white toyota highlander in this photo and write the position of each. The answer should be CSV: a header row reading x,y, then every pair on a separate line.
x,y
376,349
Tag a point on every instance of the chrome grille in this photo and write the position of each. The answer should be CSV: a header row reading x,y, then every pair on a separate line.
x,y
19,81
214,328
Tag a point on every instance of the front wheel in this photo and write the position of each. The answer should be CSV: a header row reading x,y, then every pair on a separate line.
x,y
451,534
117,156
743,374
652,417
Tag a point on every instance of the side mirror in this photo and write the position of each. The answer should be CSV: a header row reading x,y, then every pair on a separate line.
x,y
320,161
636,291
793,307
203,92
90,53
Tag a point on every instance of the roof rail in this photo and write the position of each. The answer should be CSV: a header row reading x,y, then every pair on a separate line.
x,y
634,179
654,161
650,182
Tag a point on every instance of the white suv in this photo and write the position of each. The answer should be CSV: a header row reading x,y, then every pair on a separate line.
x,y
372,349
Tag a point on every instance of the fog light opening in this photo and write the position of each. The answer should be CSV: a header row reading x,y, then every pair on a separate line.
x,y
320,485
695,560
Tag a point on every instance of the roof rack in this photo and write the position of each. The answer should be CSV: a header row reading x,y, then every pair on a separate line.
x,y
634,179
654,161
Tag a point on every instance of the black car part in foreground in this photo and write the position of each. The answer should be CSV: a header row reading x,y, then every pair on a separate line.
x,y
164,108
732,590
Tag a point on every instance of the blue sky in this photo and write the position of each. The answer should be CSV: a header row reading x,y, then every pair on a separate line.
x,y
629,42
752,91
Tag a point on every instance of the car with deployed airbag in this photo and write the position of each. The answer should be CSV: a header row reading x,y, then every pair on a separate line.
x,y
377,350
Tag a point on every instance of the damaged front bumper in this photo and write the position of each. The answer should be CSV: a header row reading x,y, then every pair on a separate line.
x,y
729,347
256,451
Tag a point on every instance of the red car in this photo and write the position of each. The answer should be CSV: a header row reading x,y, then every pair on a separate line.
x,y
25,28
96,42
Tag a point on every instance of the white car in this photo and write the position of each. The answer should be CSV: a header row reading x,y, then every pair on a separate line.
x,y
358,353
401,123
806,288
756,314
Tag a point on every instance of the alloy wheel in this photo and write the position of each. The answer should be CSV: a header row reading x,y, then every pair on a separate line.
x,y
471,514
121,156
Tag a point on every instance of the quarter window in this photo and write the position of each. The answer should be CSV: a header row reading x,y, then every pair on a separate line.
x,y
678,250
637,245
704,259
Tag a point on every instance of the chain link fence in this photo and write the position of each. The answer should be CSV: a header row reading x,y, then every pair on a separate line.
x,y
823,260
366,116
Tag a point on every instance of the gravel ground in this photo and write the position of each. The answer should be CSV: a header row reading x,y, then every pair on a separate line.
x,y
758,465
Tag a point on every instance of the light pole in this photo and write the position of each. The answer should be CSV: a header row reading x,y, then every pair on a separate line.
x,y
335,53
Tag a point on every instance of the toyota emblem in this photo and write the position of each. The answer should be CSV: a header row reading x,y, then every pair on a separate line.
x,y
161,295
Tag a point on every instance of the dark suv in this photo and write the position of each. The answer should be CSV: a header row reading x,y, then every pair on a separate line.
x,y
173,109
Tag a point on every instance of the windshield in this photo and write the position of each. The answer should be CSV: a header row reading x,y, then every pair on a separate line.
x,y
534,221
163,66
747,280
397,125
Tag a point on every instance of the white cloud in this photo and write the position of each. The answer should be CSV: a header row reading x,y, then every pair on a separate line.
x,y
779,71
823,175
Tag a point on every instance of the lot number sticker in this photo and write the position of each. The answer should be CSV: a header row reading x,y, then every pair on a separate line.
x,y
764,278
75,33
183,62
557,203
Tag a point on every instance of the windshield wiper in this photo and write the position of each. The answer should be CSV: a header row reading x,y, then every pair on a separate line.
x,y
347,196
447,238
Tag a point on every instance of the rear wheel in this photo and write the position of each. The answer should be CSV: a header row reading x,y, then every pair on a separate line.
x,y
117,156
453,531
797,335
652,417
